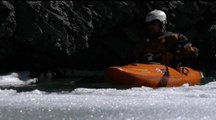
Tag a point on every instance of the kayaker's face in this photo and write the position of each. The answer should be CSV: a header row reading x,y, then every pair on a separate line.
x,y
154,27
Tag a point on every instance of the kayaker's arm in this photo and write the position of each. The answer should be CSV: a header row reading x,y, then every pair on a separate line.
x,y
180,47
186,48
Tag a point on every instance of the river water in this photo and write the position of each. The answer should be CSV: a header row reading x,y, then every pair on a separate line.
x,y
68,100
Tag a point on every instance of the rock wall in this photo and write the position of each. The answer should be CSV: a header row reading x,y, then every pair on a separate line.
x,y
48,35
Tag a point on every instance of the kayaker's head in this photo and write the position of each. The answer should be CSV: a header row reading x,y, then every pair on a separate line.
x,y
156,21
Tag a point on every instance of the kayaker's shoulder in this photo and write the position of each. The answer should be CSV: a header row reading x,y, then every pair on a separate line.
x,y
175,36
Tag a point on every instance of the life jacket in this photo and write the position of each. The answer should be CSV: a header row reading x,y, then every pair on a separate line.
x,y
167,48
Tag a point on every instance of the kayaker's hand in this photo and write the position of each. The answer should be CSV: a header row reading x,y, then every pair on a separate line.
x,y
183,70
191,51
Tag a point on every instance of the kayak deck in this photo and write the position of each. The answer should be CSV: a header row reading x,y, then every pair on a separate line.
x,y
151,75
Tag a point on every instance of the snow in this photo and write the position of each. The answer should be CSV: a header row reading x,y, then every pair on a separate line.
x,y
138,103
17,79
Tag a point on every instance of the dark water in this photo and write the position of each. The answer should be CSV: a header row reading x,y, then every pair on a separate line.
x,y
66,84
69,84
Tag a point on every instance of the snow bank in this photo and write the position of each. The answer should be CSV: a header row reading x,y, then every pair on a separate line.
x,y
181,103
16,79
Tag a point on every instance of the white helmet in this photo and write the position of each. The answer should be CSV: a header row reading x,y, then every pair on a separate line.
x,y
157,15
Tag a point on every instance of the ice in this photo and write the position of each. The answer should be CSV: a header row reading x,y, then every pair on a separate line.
x,y
138,103
16,79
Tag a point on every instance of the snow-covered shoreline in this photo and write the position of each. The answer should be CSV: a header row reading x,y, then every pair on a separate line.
x,y
138,103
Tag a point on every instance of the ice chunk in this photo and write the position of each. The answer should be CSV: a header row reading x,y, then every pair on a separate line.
x,y
17,78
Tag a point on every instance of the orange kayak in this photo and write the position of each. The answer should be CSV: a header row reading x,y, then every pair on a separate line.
x,y
151,75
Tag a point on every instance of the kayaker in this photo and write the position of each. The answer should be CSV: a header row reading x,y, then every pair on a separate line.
x,y
161,46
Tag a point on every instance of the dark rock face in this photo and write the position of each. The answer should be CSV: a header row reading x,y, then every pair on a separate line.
x,y
7,28
48,35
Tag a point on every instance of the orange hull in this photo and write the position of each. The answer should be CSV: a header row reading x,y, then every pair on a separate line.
x,y
151,75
